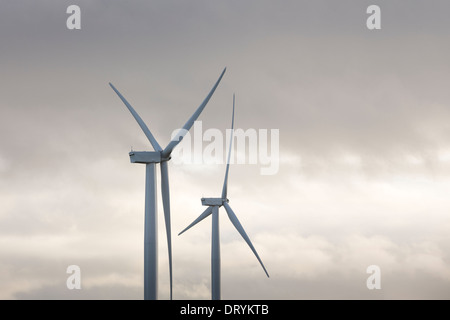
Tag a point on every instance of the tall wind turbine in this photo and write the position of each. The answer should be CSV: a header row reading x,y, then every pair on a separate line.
x,y
213,208
150,159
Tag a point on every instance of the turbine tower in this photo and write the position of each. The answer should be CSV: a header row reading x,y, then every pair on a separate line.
x,y
213,205
150,159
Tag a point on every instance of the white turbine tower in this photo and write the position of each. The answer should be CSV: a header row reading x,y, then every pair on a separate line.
x,y
150,159
213,208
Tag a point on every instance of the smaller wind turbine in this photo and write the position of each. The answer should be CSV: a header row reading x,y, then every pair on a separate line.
x,y
213,208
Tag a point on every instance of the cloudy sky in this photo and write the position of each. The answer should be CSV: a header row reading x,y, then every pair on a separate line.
x,y
364,146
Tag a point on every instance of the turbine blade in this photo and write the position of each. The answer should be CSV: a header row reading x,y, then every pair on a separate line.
x,y
205,213
141,123
166,205
182,132
225,182
241,230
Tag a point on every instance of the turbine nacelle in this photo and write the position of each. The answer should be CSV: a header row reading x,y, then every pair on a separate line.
x,y
147,157
214,201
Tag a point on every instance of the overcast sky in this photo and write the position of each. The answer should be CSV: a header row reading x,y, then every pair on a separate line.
x,y
364,146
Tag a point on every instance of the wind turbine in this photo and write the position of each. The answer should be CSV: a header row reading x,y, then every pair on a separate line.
x,y
213,205
150,159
